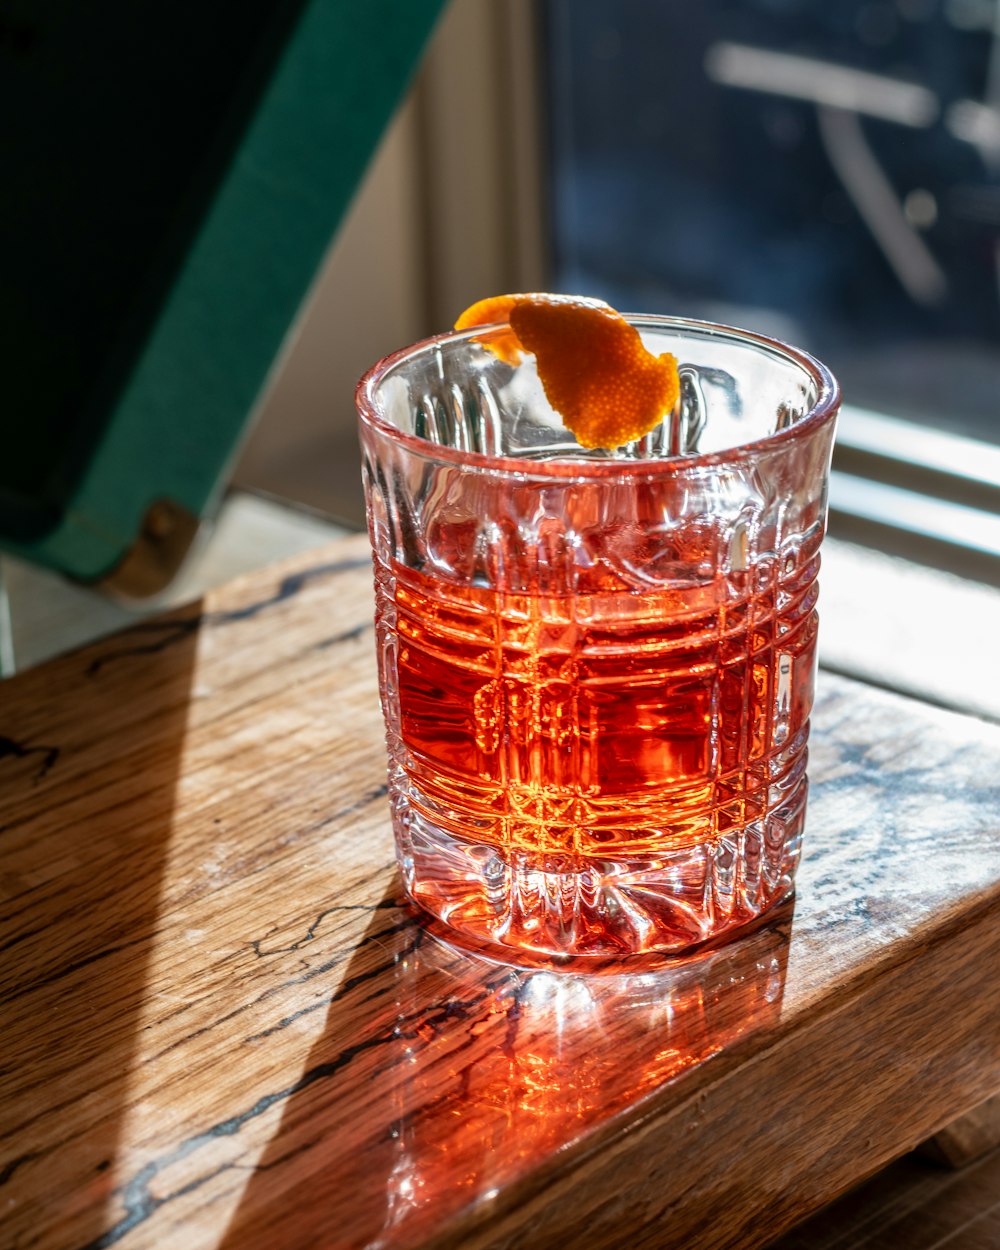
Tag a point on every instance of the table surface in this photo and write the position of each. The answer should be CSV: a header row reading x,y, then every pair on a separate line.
x,y
223,1027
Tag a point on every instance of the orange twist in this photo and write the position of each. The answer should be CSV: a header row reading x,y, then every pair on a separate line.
x,y
594,368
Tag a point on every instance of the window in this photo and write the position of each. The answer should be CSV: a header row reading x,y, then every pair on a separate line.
x,y
828,172
825,172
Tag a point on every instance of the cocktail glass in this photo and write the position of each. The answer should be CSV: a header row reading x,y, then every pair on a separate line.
x,y
596,668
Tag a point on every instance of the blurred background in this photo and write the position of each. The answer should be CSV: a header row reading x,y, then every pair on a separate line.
x,y
828,172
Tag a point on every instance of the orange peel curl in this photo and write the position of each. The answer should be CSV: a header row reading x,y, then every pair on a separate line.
x,y
594,367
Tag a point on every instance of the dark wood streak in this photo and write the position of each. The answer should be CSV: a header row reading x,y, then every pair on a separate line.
x,y
22,751
291,586
257,944
309,973
175,630
170,632
348,635
71,969
8,1170
352,983
236,955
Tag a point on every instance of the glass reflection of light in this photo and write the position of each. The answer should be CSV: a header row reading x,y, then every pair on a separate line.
x,y
498,1068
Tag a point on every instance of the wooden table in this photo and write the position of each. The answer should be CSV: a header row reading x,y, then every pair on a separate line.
x,y
222,1026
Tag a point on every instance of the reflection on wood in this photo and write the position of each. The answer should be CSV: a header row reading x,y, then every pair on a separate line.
x,y
485,1070
223,1027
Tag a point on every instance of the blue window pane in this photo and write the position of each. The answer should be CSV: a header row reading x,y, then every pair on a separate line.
x,y
827,170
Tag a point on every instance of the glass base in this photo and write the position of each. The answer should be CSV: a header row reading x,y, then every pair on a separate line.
x,y
670,903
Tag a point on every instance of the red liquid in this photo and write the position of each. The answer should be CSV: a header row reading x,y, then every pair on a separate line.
x,y
612,735
601,722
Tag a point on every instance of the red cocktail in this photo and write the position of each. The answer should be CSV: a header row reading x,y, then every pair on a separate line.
x,y
597,668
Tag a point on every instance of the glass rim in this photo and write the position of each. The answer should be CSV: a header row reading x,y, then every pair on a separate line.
x,y
823,410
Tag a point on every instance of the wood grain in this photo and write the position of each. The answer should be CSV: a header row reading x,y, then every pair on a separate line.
x,y
913,1204
969,1137
224,1027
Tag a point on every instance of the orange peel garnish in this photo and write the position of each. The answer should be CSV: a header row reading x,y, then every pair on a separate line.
x,y
594,368
494,309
